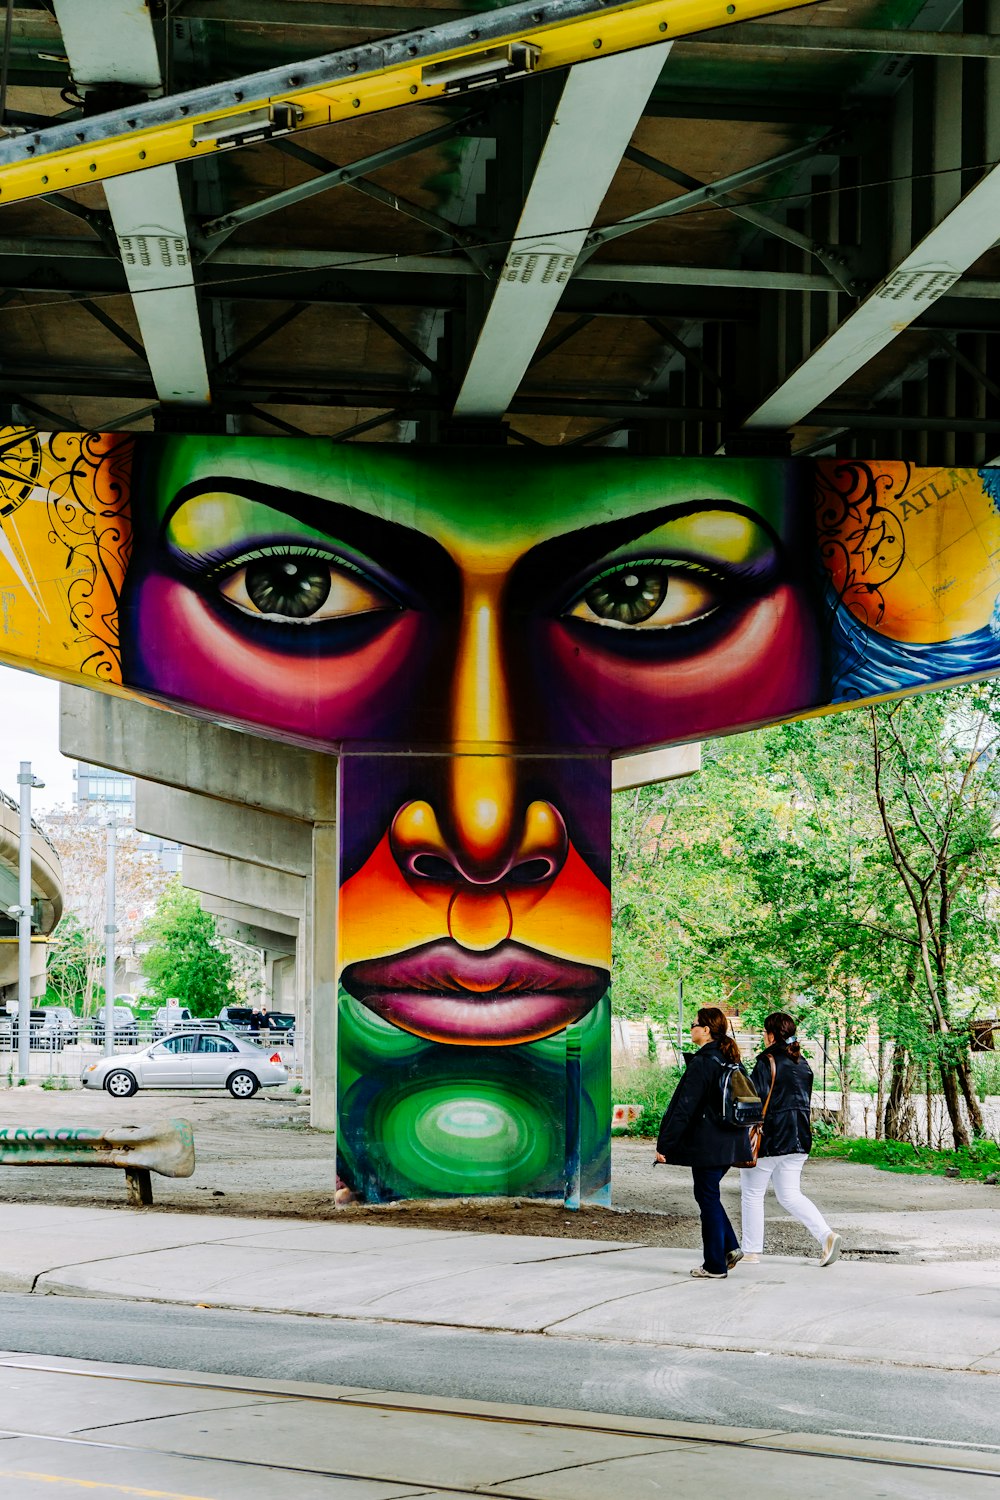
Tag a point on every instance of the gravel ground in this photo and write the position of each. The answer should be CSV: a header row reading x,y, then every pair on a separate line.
x,y
259,1158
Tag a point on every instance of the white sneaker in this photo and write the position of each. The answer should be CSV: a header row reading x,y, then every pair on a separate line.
x,y
831,1249
751,1257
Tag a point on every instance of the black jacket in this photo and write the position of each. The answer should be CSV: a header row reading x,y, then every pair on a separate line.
x,y
786,1124
691,1131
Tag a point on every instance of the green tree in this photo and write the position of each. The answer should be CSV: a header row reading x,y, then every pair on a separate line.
x,y
80,835
937,788
185,960
66,966
844,868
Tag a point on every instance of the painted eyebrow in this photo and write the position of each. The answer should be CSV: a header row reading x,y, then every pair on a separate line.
x,y
422,563
568,556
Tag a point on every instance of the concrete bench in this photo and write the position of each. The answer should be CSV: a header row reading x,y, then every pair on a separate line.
x,y
167,1148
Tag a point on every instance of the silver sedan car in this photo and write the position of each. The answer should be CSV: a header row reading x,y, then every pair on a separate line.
x,y
188,1060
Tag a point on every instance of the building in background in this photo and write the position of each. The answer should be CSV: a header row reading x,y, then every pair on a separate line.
x,y
105,791
108,789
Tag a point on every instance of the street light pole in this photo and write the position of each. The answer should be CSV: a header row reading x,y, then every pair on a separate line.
x,y
24,924
109,941
25,781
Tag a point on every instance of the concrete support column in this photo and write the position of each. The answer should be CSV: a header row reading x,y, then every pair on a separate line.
x,y
474,952
282,968
321,928
302,986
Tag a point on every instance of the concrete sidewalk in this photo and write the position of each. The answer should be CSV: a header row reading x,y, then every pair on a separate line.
x,y
71,1425
937,1315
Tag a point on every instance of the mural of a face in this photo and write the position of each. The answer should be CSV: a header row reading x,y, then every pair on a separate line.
x,y
500,613
475,634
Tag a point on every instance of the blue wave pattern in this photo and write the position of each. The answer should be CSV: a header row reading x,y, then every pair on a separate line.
x,y
866,664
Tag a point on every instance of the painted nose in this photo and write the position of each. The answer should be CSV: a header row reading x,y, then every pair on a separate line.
x,y
476,850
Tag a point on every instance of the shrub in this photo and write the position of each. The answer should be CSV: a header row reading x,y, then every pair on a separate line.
x,y
986,1073
648,1084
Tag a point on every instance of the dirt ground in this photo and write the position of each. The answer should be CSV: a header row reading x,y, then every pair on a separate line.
x,y
259,1158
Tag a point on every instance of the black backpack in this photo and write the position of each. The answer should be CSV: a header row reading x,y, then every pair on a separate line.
x,y
739,1105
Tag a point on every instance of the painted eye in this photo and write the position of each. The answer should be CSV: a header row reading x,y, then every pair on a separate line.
x,y
647,595
299,586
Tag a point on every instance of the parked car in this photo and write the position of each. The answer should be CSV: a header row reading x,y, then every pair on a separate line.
x,y
124,1026
45,1033
237,1015
170,1018
283,1022
68,1020
187,1059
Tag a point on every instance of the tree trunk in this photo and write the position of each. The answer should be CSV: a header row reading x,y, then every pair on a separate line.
x,y
953,1104
844,1070
880,1096
968,1088
899,1106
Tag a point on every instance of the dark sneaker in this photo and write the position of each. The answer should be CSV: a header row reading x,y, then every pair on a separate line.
x,y
733,1257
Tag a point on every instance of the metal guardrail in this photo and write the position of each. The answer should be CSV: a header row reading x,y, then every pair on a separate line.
x,y
60,1066
89,1031
138,1150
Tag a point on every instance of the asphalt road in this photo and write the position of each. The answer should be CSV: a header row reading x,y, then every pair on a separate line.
x,y
743,1390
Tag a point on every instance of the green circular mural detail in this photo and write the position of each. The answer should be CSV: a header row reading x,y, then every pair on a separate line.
x,y
462,1135
364,1035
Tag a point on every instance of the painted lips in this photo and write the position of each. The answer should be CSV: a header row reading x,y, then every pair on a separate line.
x,y
447,994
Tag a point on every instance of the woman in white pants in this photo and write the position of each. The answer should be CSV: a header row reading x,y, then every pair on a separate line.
x,y
783,1077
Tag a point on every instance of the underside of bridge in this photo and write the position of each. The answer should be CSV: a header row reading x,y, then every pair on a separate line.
x,y
775,238
782,226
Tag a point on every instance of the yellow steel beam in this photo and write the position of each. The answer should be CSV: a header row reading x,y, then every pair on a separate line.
x,y
362,80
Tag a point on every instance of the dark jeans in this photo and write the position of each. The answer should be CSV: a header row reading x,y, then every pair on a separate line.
x,y
717,1235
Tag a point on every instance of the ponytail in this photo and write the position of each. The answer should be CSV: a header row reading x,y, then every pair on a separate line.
x,y
782,1027
714,1019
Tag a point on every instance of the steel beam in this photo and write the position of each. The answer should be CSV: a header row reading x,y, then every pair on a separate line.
x,y
334,178
373,18
709,192
834,263
110,43
114,43
770,36
318,15
566,193
927,273
494,47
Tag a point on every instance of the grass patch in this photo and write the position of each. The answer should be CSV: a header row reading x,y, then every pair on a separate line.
x,y
981,1159
651,1086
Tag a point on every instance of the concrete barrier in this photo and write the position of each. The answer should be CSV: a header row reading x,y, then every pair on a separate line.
x,y
137,1149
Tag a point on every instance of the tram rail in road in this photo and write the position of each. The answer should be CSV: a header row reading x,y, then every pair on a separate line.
x,y
121,1430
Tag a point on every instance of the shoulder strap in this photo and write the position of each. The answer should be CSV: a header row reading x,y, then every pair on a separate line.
x,y
774,1075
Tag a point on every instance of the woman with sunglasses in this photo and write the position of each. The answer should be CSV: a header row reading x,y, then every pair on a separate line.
x,y
692,1135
